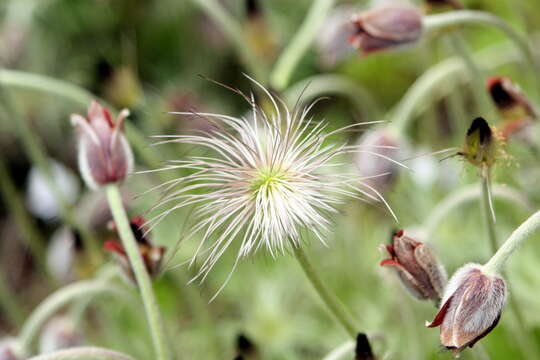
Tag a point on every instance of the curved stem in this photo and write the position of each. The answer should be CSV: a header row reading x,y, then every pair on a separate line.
x,y
462,17
289,58
141,275
320,85
56,301
84,353
432,83
499,259
234,32
465,195
330,300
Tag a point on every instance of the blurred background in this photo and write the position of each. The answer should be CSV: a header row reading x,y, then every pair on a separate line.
x,y
159,56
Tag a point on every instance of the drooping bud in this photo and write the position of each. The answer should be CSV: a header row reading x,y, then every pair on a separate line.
x,y
417,267
470,309
513,105
104,154
152,255
386,27
376,171
480,147
363,348
59,333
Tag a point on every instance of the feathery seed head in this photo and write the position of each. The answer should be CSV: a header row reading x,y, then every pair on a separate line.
x,y
269,177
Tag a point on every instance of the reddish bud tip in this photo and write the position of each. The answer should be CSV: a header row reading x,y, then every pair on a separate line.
x,y
104,153
417,267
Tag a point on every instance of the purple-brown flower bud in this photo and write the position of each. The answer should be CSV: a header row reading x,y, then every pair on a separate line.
x,y
417,267
385,28
104,153
152,255
513,105
471,307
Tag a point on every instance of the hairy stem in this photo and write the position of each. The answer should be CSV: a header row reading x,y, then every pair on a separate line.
x,y
84,353
141,275
81,289
489,217
466,195
330,300
300,43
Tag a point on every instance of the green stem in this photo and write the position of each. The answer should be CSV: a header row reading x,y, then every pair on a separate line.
x,y
9,304
84,353
435,83
466,195
487,211
463,17
499,259
56,301
234,32
289,58
330,300
141,275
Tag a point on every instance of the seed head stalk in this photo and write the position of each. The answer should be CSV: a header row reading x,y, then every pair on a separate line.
x,y
329,298
141,275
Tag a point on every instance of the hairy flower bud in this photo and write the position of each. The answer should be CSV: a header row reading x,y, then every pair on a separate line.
x,y
385,28
471,307
331,43
513,105
480,147
152,255
417,267
104,153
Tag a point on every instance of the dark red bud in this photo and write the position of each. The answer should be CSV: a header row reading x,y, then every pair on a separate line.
x,y
417,267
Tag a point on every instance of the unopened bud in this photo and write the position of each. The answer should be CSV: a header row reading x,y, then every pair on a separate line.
x,y
331,42
152,255
104,154
59,333
471,307
386,27
513,105
417,267
480,144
